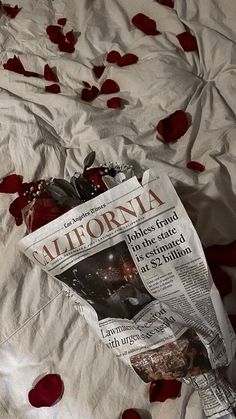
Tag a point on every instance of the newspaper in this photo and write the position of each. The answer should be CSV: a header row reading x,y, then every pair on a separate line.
x,y
136,263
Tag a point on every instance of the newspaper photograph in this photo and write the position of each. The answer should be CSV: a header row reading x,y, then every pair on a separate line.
x,y
134,258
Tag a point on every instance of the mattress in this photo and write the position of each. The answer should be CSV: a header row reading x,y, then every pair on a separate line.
x,y
44,134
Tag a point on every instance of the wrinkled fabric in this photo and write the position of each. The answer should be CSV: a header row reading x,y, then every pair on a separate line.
x,y
44,135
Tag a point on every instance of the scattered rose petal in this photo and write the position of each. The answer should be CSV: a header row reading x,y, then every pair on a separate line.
x,y
88,95
49,74
113,56
31,74
232,318
194,165
66,47
14,64
15,208
169,3
222,280
11,11
53,88
161,390
221,254
98,70
70,37
86,84
187,41
130,414
173,127
145,24
55,34
11,184
62,21
114,102
47,391
127,59
109,86
94,175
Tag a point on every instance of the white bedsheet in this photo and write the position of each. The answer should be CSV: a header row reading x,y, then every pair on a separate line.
x,y
43,134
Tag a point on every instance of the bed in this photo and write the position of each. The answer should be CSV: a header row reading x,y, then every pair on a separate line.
x,y
44,134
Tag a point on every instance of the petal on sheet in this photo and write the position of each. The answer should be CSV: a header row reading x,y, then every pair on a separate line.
x,y
173,127
53,88
88,95
62,21
48,391
161,390
11,184
98,70
10,11
49,74
127,59
196,166
114,103
113,56
145,24
109,86
187,41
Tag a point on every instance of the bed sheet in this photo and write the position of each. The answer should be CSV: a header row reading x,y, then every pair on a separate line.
x,y
44,134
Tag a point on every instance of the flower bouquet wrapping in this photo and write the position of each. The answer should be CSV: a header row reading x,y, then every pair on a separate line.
x,y
128,253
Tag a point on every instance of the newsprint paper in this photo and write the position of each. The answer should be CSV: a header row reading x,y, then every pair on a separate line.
x,y
135,260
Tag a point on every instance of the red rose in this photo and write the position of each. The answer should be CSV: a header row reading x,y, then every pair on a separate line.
x,y
161,390
94,175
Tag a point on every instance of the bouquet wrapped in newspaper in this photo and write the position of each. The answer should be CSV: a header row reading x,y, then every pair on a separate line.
x,y
130,253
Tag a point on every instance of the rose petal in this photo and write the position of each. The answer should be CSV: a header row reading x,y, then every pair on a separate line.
x,y
168,3
222,280
232,318
109,86
31,74
62,21
221,254
70,37
53,88
14,64
114,102
113,56
49,73
194,165
44,210
11,184
66,47
86,84
127,59
55,34
11,11
187,41
173,127
145,24
15,208
94,175
161,390
88,95
130,414
98,70
47,391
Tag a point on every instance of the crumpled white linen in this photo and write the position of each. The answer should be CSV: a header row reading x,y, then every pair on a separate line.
x,y
43,135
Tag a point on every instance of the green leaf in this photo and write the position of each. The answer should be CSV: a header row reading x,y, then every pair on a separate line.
x,y
89,160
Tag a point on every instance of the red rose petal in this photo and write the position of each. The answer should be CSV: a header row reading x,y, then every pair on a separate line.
x,y
55,34
221,254
66,47
11,184
130,414
168,3
114,103
98,70
14,64
109,86
113,56
194,165
70,37
11,11
222,280
232,318
173,127
86,84
49,74
127,59
88,95
161,390
187,41
15,208
47,391
53,88
145,24
62,21
31,74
